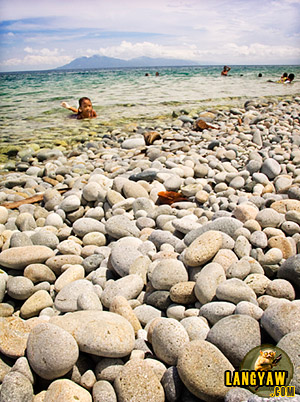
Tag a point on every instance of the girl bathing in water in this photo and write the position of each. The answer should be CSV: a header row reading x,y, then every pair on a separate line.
x,y
85,110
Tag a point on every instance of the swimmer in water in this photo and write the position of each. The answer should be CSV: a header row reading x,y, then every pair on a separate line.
x,y
85,110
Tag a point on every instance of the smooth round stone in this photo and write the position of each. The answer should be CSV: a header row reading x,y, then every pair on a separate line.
x,y
99,333
3,215
283,206
132,189
3,280
268,217
226,225
245,211
237,182
250,309
92,262
290,270
94,238
19,287
121,306
51,351
91,191
167,273
16,388
290,228
129,287
121,226
159,299
242,247
173,183
239,269
13,336
19,257
70,203
215,311
183,293
6,310
259,239
138,380
207,282
172,384
146,313
20,239
239,394
108,369
73,273
235,336
39,273
203,357
133,143
280,319
160,237
66,391
290,343
195,327
25,221
258,283
66,299
69,247
234,290
82,226
36,303
283,244
271,168
175,311
281,288
168,337
104,391
55,263
45,238
89,301
203,248
55,220
124,252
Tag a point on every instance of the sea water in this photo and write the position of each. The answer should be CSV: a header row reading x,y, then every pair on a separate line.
x,y
30,101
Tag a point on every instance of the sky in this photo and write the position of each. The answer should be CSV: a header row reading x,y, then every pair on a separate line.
x,y
44,34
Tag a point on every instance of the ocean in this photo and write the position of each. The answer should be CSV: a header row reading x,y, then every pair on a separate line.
x,y
30,101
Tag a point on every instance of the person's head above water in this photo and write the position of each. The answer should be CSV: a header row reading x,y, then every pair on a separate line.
x,y
291,77
85,107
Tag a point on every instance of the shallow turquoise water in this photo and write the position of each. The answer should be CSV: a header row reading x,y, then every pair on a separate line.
x,y
30,101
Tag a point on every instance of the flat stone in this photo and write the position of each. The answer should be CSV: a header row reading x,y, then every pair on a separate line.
x,y
83,226
172,384
51,351
45,238
39,273
121,306
13,336
72,274
19,287
281,318
196,327
134,190
234,290
55,263
121,226
129,287
89,301
19,257
168,337
99,333
215,311
66,299
137,380
66,391
203,248
183,293
235,336
290,343
203,357
108,369
123,253
104,391
290,270
16,388
208,281
36,303
167,273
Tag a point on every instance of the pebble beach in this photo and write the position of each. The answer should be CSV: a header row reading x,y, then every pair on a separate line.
x,y
111,292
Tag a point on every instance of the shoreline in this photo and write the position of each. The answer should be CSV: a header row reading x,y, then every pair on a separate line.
x,y
169,286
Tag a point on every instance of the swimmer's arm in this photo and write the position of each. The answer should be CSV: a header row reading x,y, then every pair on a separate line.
x,y
94,113
67,106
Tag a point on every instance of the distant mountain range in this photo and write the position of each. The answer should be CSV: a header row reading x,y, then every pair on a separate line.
x,y
111,62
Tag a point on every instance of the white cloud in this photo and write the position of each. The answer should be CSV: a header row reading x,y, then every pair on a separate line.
x,y
43,57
